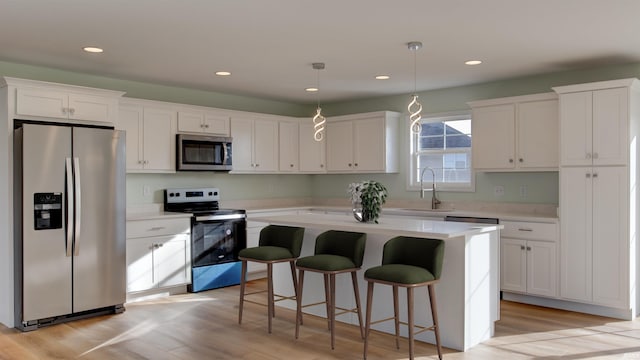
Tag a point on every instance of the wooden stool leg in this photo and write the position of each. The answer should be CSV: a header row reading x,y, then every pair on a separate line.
x,y
299,302
243,279
292,264
354,279
434,315
410,320
327,299
368,324
332,283
396,315
270,312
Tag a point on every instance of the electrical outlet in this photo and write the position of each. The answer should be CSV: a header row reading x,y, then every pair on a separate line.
x,y
146,191
524,191
498,190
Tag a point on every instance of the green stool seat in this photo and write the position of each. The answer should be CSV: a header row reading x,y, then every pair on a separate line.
x,y
276,244
407,262
399,273
336,252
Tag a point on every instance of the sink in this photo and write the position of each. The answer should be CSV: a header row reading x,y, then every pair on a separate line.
x,y
426,210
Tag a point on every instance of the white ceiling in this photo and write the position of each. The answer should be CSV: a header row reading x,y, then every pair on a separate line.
x,y
269,46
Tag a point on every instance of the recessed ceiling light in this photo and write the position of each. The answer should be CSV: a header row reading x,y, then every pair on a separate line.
x,y
473,62
311,89
383,77
92,49
223,73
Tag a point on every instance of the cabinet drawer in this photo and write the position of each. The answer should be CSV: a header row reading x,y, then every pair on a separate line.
x,y
529,230
157,227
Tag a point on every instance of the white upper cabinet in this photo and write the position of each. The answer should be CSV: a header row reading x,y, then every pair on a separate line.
x,y
255,144
288,145
312,153
363,143
594,127
516,133
151,134
203,122
35,100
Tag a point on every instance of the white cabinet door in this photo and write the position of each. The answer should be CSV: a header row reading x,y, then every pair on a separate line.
x,y
189,121
610,247
45,103
538,130
288,135
242,134
171,260
541,268
216,124
368,136
312,153
610,122
594,127
91,107
159,145
494,137
513,265
139,264
130,120
265,151
576,214
339,146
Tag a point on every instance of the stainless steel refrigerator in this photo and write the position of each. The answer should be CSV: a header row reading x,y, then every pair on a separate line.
x,y
69,210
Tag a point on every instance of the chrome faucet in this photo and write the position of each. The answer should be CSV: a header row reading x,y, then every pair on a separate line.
x,y
434,199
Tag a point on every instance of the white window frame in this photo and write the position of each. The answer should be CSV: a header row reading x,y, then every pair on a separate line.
x,y
412,176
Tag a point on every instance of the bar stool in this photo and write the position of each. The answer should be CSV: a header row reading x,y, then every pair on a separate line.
x,y
336,252
407,262
276,244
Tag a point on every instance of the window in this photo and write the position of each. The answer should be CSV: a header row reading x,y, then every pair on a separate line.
x,y
444,145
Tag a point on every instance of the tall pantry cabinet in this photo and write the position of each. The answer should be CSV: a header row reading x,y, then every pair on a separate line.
x,y
599,128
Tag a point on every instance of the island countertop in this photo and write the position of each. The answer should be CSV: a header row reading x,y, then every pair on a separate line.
x,y
394,226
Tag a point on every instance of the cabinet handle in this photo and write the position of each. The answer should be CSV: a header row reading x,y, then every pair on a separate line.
x,y
524,229
64,111
206,126
595,175
528,248
321,165
588,156
510,161
521,247
290,165
588,175
349,164
72,110
521,160
595,155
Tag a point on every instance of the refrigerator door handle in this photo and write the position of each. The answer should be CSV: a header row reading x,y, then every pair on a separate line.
x,y
77,205
70,207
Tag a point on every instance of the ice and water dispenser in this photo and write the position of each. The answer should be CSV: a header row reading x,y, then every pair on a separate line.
x,y
47,211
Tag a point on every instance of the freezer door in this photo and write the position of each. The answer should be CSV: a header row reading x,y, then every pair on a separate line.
x,y
46,268
99,264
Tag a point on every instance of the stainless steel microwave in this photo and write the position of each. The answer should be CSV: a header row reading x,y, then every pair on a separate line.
x,y
203,153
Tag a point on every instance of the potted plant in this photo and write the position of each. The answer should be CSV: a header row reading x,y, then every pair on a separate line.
x,y
367,198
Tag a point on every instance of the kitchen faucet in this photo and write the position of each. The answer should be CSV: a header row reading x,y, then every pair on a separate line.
x,y
434,198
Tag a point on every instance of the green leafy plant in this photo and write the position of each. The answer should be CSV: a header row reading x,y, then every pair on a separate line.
x,y
369,194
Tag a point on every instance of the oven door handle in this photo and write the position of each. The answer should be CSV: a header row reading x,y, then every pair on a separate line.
x,y
220,217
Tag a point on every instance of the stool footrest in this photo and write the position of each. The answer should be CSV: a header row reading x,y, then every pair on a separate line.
x,y
277,297
342,312
422,328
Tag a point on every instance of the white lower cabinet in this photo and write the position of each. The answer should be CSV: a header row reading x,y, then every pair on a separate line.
x,y
529,259
158,253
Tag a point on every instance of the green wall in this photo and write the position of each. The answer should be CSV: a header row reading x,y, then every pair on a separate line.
x,y
541,187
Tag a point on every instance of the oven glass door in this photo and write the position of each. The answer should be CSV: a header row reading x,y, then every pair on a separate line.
x,y
217,241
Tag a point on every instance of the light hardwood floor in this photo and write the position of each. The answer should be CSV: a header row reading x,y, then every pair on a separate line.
x,y
204,326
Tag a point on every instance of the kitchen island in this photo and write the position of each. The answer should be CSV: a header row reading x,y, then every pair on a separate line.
x,y
467,295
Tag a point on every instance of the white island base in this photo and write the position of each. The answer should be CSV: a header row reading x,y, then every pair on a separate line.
x,y
467,295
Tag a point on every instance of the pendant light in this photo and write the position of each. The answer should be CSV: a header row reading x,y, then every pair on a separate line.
x,y
318,119
414,107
